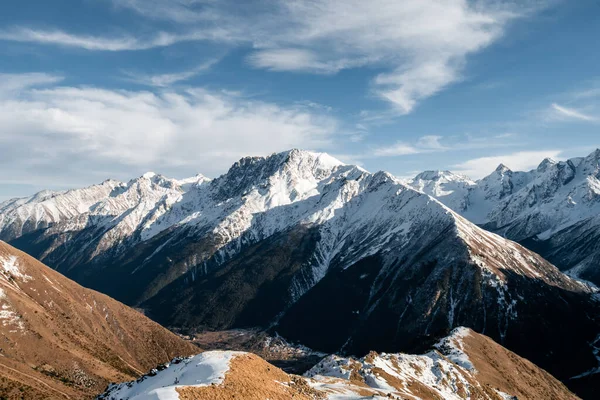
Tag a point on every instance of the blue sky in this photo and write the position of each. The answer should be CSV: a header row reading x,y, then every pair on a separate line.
x,y
93,89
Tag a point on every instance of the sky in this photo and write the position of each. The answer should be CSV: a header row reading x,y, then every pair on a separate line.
x,y
97,89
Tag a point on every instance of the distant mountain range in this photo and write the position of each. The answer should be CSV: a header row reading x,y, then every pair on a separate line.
x,y
60,340
553,210
335,257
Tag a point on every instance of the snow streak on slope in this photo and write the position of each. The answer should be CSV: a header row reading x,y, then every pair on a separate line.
x,y
204,369
10,267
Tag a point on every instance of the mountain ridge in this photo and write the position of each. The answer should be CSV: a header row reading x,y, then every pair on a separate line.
x,y
463,365
552,209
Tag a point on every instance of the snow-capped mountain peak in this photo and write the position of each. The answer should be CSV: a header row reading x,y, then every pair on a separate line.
x,y
502,169
545,164
555,204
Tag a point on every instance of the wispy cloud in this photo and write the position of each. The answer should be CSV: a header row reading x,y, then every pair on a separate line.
x,y
180,11
422,46
396,149
57,37
563,112
519,161
106,43
13,84
165,80
299,60
438,144
423,54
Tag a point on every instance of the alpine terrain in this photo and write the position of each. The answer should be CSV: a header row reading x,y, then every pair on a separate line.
x,y
464,365
62,341
325,254
553,210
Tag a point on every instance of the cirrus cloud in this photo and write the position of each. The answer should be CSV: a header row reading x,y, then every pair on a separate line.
x,y
421,46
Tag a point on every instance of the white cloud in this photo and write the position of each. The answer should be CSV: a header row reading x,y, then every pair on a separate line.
x,y
396,149
181,11
437,144
68,134
519,161
165,80
109,43
11,84
58,37
431,142
424,144
298,60
423,45
289,60
562,112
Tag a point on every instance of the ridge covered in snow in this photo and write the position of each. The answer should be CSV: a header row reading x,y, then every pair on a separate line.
x,y
554,208
443,373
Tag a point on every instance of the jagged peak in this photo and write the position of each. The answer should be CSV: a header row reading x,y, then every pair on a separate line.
x,y
289,155
545,164
155,178
198,178
428,175
251,171
594,155
380,177
502,168
435,175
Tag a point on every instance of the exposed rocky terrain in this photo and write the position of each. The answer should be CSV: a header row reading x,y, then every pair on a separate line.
x,y
464,365
59,340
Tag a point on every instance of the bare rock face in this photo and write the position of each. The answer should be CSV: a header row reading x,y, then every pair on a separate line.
x,y
464,365
319,251
62,340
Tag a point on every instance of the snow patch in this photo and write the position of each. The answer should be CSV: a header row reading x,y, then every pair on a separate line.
x,y
8,316
453,347
10,266
205,369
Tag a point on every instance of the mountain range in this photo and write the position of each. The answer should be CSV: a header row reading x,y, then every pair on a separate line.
x,y
338,258
553,209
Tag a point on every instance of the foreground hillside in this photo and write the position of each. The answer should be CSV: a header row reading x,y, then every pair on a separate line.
x,y
317,250
464,365
59,340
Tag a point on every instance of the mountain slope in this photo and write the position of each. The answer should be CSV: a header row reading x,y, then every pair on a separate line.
x,y
464,365
304,244
554,209
60,340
